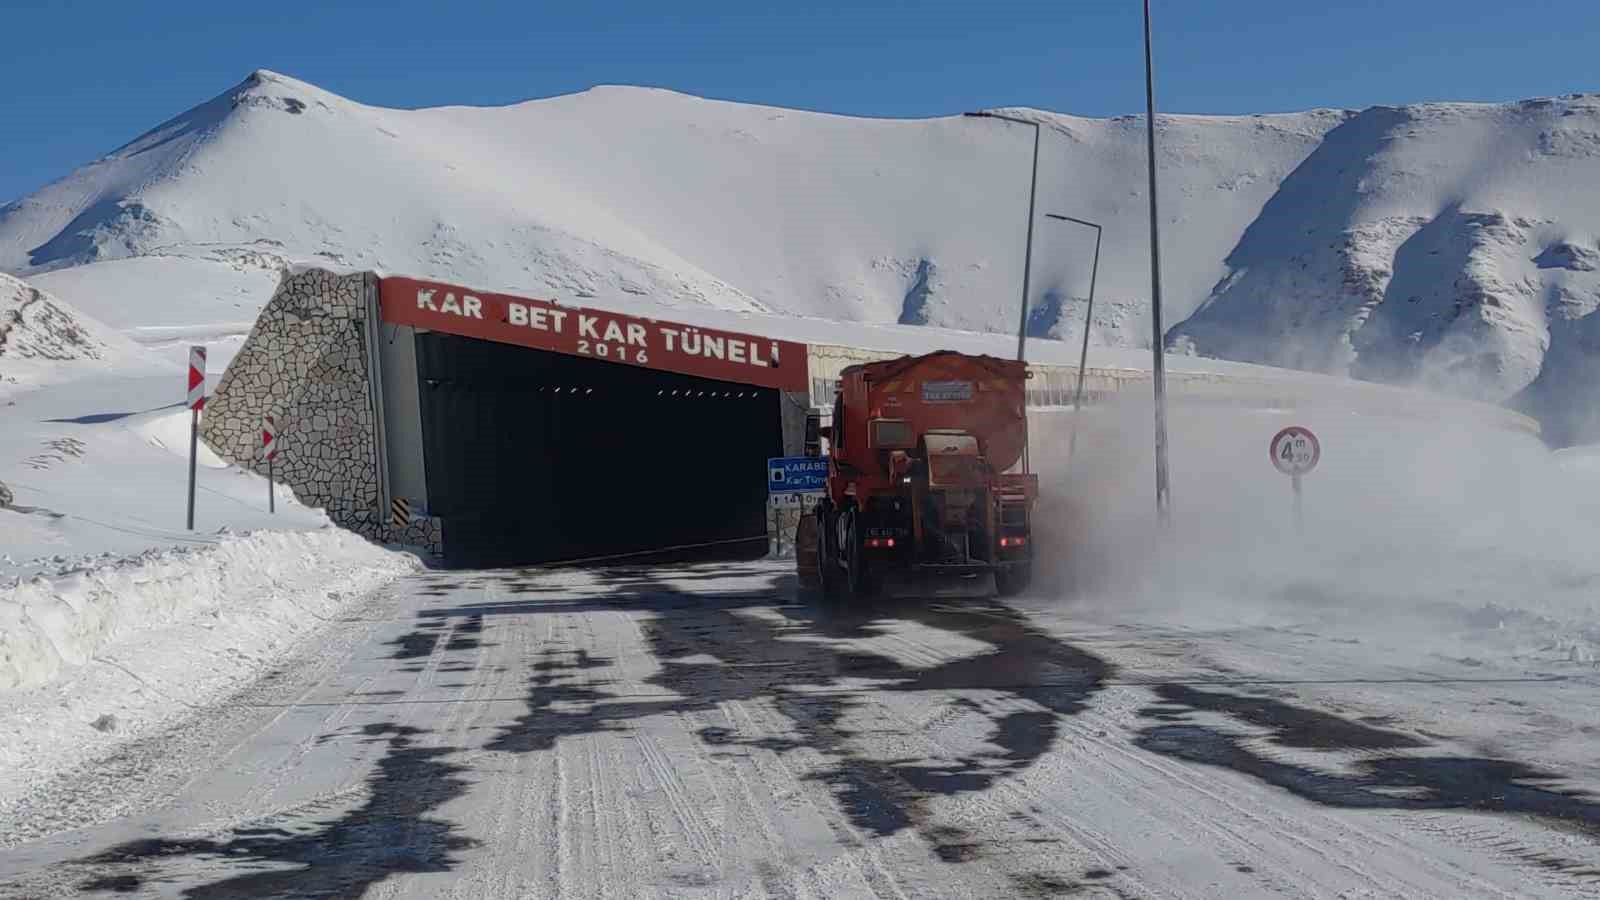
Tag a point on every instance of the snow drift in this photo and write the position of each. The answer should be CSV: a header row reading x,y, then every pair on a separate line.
x,y
165,303
50,624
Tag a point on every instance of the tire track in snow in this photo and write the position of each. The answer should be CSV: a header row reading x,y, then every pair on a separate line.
x,y
1312,828
1299,737
865,857
1244,840
681,807
1552,865
742,820
640,768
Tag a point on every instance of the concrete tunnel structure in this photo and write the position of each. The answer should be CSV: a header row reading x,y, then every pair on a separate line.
x,y
489,429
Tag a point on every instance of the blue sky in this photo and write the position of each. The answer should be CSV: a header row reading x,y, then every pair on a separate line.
x,y
79,78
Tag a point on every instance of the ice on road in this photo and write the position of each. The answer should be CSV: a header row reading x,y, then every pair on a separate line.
x,y
703,730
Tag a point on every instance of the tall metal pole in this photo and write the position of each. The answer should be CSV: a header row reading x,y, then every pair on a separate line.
x,y
1027,256
1083,355
1027,253
1158,340
1088,317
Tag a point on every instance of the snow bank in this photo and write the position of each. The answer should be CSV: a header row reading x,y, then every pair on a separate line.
x,y
93,659
48,625
114,616
169,430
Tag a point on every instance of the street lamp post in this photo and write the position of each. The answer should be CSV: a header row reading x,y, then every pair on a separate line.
x,y
1088,314
1027,256
1163,485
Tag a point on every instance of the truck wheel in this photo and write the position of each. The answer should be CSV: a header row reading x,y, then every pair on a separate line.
x,y
827,557
807,568
1013,581
828,577
860,582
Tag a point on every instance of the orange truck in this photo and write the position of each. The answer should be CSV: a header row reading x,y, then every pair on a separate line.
x,y
921,497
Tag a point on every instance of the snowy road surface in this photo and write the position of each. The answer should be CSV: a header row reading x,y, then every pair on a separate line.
x,y
702,730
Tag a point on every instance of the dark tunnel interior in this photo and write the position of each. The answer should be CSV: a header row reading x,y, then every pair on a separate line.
x,y
537,457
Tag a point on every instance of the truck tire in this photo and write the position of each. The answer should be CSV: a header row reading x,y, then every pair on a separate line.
x,y
1014,580
827,557
859,582
807,568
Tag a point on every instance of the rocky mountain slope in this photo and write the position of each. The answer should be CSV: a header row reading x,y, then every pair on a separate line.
x,y
44,339
1452,245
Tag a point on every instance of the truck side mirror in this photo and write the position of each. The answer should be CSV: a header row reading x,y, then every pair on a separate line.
x,y
814,434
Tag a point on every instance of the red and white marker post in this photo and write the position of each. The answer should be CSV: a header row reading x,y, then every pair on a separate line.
x,y
269,449
197,399
1295,451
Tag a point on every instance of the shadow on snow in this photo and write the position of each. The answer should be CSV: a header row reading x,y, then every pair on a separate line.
x,y
1394,782
797,662
391,833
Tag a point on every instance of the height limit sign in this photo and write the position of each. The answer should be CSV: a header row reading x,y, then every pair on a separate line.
x,y
1295,451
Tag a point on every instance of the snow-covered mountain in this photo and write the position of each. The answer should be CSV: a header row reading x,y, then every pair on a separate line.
x,y
619,192
1452,245
1302,238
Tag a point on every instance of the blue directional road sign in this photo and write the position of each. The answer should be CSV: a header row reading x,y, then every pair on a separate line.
x,y
796,474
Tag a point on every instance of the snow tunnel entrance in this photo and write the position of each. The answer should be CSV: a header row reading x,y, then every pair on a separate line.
x,y
535,457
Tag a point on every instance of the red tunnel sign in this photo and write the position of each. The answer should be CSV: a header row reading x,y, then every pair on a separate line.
x,y
611,336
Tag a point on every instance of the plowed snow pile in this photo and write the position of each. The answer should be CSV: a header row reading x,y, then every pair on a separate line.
x,y
102,655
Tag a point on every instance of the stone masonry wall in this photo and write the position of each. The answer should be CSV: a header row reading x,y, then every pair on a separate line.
x,y
305,364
